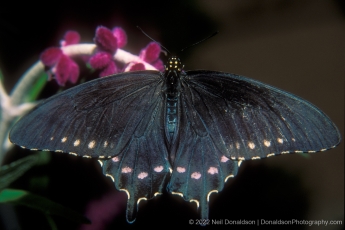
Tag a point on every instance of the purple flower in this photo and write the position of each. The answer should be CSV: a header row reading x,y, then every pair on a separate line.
x,y
61,66
121,36
71,37
149,54
101,212
107,42
136,66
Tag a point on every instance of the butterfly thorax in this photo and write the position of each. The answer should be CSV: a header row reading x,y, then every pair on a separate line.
x,y
172,80
172,71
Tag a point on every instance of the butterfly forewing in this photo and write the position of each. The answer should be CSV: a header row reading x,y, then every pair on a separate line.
x,y
95,119
247,119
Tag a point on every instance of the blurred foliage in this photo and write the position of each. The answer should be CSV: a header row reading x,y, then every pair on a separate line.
x,y
37,88
21,197
10,173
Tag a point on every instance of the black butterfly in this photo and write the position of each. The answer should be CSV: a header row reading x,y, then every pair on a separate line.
x,y
193,127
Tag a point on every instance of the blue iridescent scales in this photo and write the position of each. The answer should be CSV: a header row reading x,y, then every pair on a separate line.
x,y
191,129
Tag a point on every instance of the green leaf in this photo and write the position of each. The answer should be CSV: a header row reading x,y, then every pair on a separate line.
x,y
37,87
1,76
305,155
51,222
88,66
48,207
11,172
10,195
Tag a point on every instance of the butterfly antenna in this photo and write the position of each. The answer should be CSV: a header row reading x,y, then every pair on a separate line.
x,y
165,49
212,35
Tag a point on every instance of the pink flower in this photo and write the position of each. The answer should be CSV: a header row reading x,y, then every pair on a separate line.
x,y
149,54
107,42
136,66
121,36
71,37
61,66
101,212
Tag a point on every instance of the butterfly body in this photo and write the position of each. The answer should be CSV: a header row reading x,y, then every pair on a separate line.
x,y
191,129
171,93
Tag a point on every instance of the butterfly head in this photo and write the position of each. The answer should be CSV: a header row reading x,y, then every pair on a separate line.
x,y
173,64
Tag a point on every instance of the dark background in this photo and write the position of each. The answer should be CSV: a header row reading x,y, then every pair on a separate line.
x,y
295,45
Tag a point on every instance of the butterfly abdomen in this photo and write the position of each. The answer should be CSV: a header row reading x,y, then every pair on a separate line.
x,y
171,116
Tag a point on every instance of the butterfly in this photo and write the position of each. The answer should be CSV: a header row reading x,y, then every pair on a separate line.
x,y
183,131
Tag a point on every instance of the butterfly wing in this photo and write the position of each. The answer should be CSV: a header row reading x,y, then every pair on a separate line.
x,y
95,119
248,119
120,115
226,116
200,169
140,170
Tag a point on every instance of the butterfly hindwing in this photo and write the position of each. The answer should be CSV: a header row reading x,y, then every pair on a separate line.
x,y
95,119
140,169
200,169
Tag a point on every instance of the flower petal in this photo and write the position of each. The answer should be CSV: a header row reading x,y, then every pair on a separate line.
x,y
158,65
100,60
102,211
121,36
109,70
136,67
71,37
74,72
105,39
151,52
51,56
62,70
